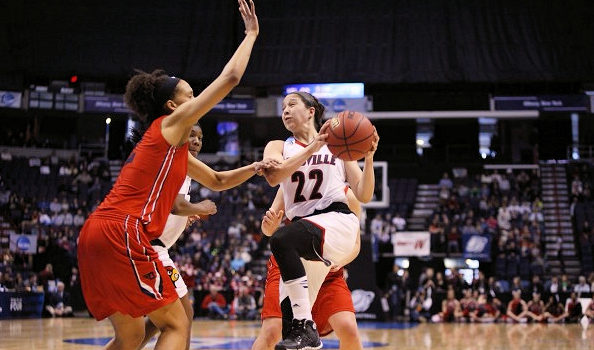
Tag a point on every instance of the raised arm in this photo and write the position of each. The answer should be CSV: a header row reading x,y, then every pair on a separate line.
x,y
176,126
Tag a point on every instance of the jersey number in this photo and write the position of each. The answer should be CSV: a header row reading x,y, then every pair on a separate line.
x,y
299,177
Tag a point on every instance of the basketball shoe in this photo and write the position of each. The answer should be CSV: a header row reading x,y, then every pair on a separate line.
x,y
303,335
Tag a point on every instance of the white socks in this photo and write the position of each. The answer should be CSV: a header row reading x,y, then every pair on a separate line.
x,y
299,297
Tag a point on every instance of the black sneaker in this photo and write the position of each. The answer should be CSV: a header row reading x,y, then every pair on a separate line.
x,y
302,336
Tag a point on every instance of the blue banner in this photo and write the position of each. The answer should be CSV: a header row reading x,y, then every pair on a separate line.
x,y
547,103
476,246
235,106
108,103
21,304
331,90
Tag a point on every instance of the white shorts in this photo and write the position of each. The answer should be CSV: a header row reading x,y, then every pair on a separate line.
x,y
172,271
339,235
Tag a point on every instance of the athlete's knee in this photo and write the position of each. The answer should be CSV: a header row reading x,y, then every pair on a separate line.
x,y
175,324
347,331
129,338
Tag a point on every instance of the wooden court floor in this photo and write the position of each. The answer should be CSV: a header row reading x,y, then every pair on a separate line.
x,y
85,333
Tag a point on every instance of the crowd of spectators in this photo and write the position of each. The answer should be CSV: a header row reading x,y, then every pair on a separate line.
x,y
441,297
505,207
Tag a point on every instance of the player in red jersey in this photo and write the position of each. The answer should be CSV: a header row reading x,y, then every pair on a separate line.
x,y
333,308
122,277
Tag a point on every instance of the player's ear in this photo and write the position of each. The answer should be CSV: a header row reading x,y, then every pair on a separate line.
x,y
171,105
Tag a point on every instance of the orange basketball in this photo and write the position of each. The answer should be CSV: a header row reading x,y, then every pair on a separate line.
x,y
350,135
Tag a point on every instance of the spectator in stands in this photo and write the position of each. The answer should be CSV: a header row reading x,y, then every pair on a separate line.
x,y
79,218
565,285
453,239
59,302
436,229
377,225
553,286
536,285
582,286
245,305
55,206
399,222
215,304
504,217
516,309
440,283
394,291
83,178
444,195
420,307
446,182
577,187
46,275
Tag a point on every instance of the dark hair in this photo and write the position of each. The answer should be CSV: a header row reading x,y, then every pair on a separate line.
x,y
146,94
311,101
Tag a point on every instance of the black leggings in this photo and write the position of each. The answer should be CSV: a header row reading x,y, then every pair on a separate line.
x,y
300,239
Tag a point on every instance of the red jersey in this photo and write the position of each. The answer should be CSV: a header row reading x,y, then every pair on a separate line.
x,y
148,182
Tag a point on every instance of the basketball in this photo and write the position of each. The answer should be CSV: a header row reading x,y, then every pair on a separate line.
x,y
350,135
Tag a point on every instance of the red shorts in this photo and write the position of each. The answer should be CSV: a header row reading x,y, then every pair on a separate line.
x,y
119,270
334,296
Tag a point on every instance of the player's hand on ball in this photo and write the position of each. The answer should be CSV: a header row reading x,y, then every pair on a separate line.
x,y
271,220
321,139
206,207
374,144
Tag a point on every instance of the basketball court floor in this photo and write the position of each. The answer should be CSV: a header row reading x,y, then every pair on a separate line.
x,y
85,333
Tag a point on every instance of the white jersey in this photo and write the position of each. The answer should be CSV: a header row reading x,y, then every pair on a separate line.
x,y
176,224
317,183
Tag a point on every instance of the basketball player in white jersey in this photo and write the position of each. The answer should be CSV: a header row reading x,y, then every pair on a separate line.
x,y
184,213
332,308
323,228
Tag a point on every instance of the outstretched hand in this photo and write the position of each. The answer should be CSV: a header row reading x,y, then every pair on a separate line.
x,y
248,13
206,207
266,163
